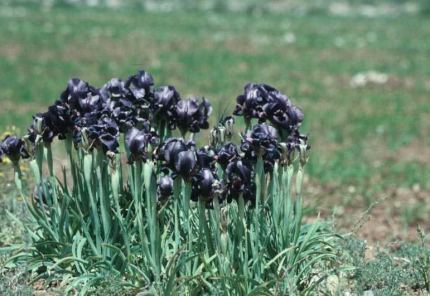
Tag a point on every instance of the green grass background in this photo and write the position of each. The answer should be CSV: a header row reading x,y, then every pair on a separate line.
x,y
374,137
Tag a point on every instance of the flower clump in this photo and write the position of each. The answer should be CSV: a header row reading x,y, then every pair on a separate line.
x,y
93,119
142,197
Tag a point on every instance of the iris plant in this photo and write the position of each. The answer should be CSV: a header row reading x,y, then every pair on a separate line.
x,y
174,218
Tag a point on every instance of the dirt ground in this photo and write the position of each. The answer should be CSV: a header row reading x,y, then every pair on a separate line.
x,y
392,216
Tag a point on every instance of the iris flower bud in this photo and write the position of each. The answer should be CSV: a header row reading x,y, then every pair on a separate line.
x,y
228,124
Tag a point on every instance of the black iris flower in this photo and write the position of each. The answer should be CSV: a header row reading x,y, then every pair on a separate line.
x,y
192,116
76,91
58,118
204,185
206,157
179,156
14,148
165,187
227,154
171,148
261,141
106,134
94,132
185,163
114,89
140,85
239,181
119,105
124,114
164,103
281,113
265,102
137,142
40,130
91,103
251,103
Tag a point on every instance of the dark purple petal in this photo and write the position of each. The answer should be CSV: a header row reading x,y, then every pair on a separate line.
x,y
165,186
227,154
185,163
13,147
137,142
140,84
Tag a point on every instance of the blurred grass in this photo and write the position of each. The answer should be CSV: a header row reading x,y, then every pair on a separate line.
x,y
374,137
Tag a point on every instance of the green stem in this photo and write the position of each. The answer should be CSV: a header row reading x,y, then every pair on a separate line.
x,y
186,186
48,157
204,227
242,232
298,203
88,172
152,215
103,196
176,201
18,178
138,203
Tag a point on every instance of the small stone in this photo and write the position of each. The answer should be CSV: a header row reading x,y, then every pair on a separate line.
x,y
332,284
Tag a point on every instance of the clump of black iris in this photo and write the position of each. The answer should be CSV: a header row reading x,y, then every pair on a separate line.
x,y
146,115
